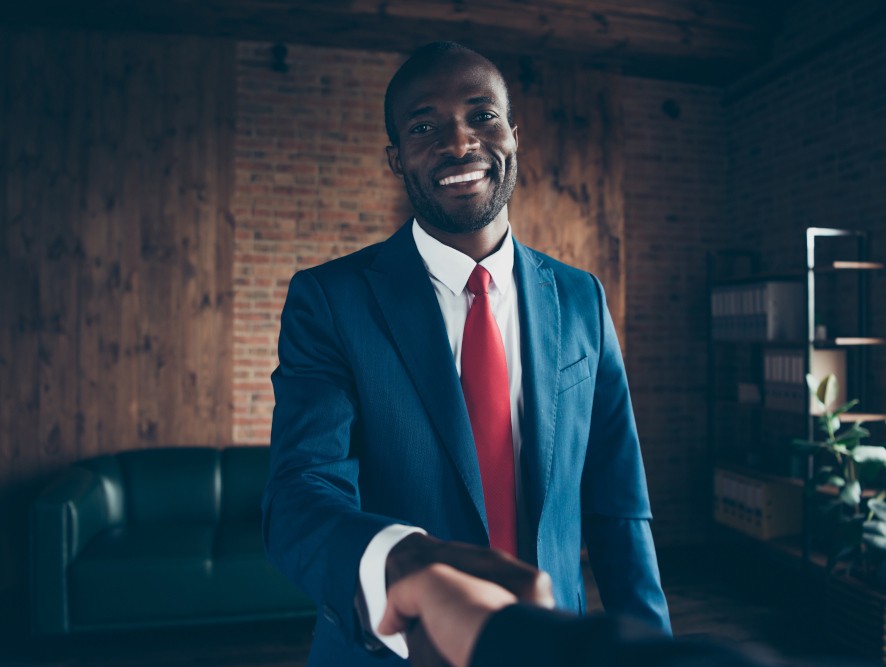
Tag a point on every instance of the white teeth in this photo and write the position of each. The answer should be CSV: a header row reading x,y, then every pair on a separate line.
x,y
462,178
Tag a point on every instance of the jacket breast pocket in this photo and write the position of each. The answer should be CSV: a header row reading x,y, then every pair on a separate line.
x,y
573,374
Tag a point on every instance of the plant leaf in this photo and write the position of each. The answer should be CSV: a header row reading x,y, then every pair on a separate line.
x,y
854,432
877,542
846,407
827,389
877,507
851,493
874,527
864,453
813,384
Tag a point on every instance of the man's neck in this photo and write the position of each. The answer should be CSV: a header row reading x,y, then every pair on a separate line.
x,y
476,245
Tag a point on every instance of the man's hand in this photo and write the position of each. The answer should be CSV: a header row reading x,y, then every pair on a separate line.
x,y
451,606
417,552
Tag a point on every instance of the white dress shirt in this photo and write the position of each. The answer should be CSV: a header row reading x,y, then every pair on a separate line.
x,y
449,271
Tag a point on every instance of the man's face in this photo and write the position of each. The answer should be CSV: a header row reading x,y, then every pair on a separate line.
x,y
457,152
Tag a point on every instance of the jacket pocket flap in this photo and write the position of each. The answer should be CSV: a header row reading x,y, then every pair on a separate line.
x,y
574,373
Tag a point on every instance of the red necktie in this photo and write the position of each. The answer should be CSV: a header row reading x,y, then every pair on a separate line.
x,y
484,380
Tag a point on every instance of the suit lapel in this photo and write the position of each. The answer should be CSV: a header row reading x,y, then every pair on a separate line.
x,y
540,355
404,292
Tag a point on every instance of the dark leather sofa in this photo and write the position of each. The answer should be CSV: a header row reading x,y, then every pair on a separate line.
x,y
155,537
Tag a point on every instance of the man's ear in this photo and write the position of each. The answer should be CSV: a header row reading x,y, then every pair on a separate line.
x,y
394,160
514,132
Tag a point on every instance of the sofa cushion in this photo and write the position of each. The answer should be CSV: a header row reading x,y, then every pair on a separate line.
x,y
244,471
245,582
176,484
143,573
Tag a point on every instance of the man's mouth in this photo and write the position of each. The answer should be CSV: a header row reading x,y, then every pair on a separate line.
x,y
462,178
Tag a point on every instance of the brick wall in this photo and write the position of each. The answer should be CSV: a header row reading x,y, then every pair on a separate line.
x,y
675,185
807,148
813,22
311,184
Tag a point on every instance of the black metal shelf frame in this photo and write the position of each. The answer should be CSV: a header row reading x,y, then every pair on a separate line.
x,y
858,344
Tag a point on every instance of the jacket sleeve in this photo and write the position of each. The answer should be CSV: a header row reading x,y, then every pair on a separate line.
x,y
313,528
615,500
525,636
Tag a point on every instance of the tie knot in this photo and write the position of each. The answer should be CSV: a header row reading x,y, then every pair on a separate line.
x,y
478,283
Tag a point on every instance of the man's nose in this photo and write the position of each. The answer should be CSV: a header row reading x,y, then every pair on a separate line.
x,y
457,140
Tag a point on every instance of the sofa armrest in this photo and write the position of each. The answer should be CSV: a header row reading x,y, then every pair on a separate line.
x,y
64,518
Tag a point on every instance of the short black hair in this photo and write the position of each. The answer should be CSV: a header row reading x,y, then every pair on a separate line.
x,y
424,58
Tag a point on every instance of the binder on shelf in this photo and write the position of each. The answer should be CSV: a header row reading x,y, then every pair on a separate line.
x,y
763,507
785,387
766,311
785,380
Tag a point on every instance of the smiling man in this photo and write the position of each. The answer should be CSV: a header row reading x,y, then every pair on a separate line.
x,y
452,384
459,192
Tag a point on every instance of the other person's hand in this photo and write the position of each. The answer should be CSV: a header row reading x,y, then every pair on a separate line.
x,y
417,552
451,606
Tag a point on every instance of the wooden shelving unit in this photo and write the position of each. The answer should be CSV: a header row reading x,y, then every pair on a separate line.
x,y
850,265
748,427
854,341
758,402
866,417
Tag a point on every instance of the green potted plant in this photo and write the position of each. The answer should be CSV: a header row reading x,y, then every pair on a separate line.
x,y
850,524
853,521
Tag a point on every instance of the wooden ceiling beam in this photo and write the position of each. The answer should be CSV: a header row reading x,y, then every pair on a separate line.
x,y
535,14
708,42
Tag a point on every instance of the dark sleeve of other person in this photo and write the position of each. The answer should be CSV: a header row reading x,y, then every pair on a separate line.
x,y
526,636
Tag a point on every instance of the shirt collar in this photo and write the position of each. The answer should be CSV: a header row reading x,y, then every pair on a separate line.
x,y
453,268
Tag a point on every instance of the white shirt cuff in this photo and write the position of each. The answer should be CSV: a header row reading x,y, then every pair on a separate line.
x,y
372,581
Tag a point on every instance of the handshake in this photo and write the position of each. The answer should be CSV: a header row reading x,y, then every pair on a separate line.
x,y
441,594
464,605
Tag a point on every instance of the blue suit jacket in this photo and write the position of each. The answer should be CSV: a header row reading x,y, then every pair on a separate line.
x,y
370,428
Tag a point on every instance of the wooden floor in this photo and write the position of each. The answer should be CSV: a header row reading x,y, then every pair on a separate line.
x,y
743,607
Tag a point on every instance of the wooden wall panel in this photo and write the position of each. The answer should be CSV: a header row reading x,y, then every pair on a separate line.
x,y
569,202
115,253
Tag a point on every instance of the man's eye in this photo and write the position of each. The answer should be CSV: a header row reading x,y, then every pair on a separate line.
x,y
421,128
484,116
